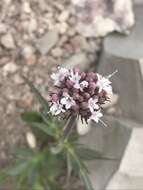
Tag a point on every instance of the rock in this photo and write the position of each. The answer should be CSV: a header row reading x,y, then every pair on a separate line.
x,y
126,57
63,27
130,173
18,79
78,60
82,128
7,41
62,40
25,102
99,17
10,68
110,142
28,53
31,140
63,16
57,52
26,7
132,162
3,28
71,32
79,43
46,42
32,26
122,181
138,1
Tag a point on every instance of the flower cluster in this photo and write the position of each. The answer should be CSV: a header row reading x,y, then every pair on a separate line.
x,y
79,93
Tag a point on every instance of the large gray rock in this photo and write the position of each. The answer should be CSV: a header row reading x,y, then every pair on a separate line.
x,y
111,143
125,53
122,181
130,173
99,17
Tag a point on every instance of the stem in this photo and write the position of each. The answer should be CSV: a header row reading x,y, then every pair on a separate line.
x,y
69,127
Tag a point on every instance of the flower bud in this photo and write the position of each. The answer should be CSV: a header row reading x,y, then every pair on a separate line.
x,y
69,84
86,95
92,85
76,70
54,97
75,108
91,92
75,96
89,79
83,75
84,105
65,90
83,113
74,90
80,99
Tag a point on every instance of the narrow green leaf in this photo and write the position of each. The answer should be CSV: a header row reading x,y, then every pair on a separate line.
x,y
88,154
69,167
38,186
43,127
39,97
30,117
84,177
24,153
18,169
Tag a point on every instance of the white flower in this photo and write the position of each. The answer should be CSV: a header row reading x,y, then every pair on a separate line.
x,y
59,76
67,101
104,84
96,115
56,108
75,78
92,104
83,84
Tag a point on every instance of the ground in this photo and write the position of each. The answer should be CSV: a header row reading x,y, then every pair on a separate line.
x,y
35,37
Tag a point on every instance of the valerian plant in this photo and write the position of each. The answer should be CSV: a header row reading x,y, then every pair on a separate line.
x,y
78,95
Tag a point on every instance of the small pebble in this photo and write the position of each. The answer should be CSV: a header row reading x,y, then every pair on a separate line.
x,y
57,52
7,41
10,68
63,17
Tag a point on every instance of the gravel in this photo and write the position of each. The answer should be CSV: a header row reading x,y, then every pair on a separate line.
x,y
35,36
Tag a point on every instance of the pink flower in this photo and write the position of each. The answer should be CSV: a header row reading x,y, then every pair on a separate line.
x,y
92,104
59,76
67,101
80,93
56,108
96,115
104,84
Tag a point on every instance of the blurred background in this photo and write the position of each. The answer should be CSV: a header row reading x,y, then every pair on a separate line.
x,y
95,35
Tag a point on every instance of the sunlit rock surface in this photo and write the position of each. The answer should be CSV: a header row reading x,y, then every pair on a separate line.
x,y
100,17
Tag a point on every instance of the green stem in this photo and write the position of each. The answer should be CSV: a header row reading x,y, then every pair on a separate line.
x,y
69,127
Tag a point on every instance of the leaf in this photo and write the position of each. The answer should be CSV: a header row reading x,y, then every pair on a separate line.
x,y
84,177
81,169
88,154
18,169
39,97
24,153
69,167
38,186
30,117
45,128
3,177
